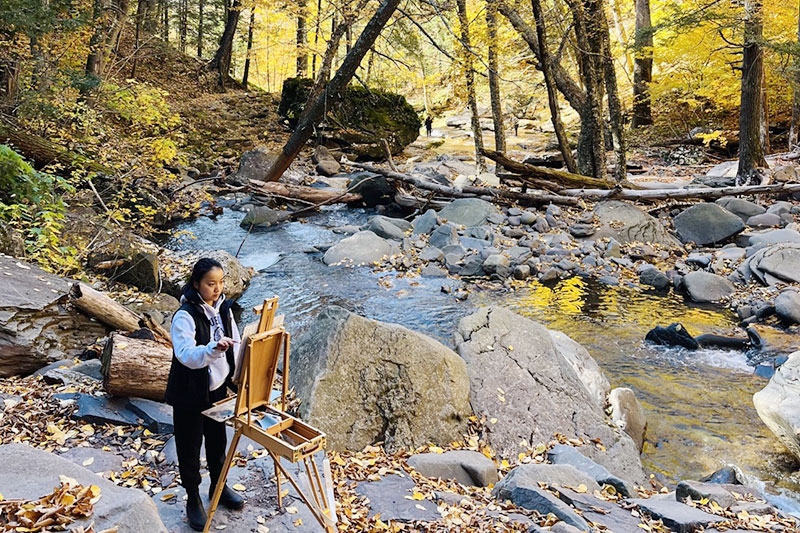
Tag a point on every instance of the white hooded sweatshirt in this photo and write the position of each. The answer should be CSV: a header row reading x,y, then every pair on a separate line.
x,y
193,356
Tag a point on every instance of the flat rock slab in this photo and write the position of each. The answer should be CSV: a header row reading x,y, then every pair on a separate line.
x,y
98,461
600,512
562,454
387,497
157,416
464,466
127,510
676,515
101,410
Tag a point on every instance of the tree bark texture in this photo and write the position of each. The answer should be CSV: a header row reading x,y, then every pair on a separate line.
x,y
612,92
106,310
135,367
494,78
246,75
302,39
222,58
201,26
545,60
108,19
469,80
44,152
752,122
642,65
316,110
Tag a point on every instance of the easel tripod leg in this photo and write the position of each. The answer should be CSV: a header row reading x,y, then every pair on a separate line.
x,y
223,475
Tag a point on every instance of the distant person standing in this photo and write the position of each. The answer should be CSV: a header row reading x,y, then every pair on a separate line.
x,y
516,127
428,125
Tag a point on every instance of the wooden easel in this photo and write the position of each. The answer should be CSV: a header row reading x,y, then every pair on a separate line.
x,y
289,437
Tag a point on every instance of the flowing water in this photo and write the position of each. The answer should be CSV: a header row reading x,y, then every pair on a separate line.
x,y
698,403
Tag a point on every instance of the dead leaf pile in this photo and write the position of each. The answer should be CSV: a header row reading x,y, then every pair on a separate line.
x,y
67,503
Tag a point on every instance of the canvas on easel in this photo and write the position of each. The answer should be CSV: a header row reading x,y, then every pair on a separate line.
x,y
286,437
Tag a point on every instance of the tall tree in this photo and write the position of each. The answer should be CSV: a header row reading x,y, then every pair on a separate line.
x,y
247,58
494,77
552,97
108,20
201,26
752,115
642,65
222,58
616,119
302,39
314,112
469,80
794,129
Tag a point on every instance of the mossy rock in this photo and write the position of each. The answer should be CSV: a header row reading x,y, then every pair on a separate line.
x,y
360,119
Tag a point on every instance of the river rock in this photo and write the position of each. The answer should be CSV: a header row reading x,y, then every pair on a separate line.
x,y
521,487
134,260
327,165
237,276
425,223
775,237
362,381
443,236
262,217
583,364
674,514
373,188
496,263
518,376
707,287
562,454
787,306
388,228
468,212
627,414
706,223
673,335
253,165
363,248
653,277
391,498
36,328
626,223
778,404
697,490
122,509
764,220
467,467
740,207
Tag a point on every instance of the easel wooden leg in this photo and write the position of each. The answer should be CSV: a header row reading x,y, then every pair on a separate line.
x,y
223,475
322,514
278,483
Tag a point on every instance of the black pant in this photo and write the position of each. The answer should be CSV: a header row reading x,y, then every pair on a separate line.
x,y
190,427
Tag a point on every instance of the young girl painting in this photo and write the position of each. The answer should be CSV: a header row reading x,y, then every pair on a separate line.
x,y
205,339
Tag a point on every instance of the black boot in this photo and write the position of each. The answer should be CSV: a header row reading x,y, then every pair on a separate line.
x,y
195,511
229,497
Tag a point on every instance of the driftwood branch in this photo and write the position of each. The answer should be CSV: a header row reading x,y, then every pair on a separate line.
x,y
664,194
533,174
487,193
300,192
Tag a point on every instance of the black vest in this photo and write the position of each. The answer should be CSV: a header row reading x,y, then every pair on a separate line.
x,y
187,388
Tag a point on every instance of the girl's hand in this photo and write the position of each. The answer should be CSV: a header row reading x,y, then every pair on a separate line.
x,y
223,344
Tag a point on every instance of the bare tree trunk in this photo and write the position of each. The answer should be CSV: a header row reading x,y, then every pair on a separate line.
x,y
494,78
108,21
164,20
316,110
794,129
147,16
316,39
201,29
642,65
552,98
302,39
469,79
222,58
614,104
252,24
752,122
183,24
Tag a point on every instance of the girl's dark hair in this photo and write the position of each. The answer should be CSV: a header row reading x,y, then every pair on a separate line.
x,y
200,269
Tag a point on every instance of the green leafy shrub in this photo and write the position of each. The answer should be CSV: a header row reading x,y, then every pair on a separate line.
x,y
143,107
31,204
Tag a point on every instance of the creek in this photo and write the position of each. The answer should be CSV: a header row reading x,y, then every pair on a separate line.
x,y
698,403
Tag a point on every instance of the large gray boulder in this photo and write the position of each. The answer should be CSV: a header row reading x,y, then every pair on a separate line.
x,y
706,223
740,207
467,212
626,223
36,328
778,404
362,381
387,227
133,259
122,509
787,306
584,366
363,248
262,217
253,165
519,377
707,287
468,467
772,264
237,276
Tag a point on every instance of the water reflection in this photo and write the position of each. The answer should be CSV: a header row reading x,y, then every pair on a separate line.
x,y
698,403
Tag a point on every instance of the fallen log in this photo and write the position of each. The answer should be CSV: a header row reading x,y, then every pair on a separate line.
x,y
300,192
135,367
110,312
700,193
490,194
551,176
